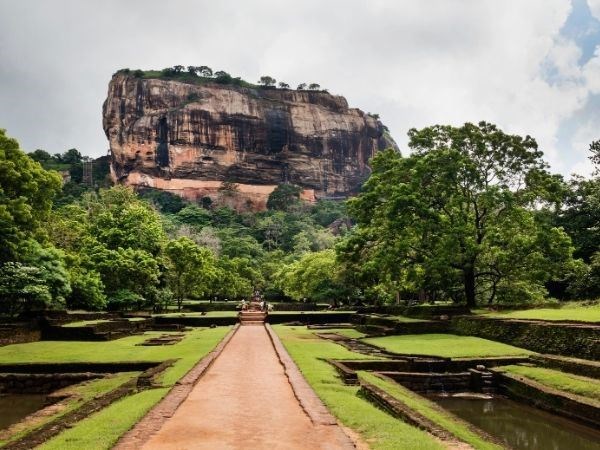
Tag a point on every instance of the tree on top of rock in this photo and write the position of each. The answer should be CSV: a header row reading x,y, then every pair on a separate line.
x,y
267,81
283,85
314,86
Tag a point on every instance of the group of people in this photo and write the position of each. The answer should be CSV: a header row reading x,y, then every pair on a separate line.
x,y
264,305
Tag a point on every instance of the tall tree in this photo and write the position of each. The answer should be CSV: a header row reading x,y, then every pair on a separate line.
x,y
461,205
190,270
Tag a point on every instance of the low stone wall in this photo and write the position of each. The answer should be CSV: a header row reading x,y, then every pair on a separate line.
x,y
311,318
19,333
196,321
83,367
26,383
214,306
373,323
557,402
578,340
581,367
417,311
102,331
432,382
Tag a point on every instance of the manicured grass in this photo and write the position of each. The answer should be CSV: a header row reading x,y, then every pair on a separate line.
x,y
430,410
380,430
85,323
80,393
586,387
573,311
101,430
448,345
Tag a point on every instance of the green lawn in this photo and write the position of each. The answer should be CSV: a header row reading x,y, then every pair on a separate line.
x,y
102,429
448,345
85,323
572,311
379,429
430,410
586,387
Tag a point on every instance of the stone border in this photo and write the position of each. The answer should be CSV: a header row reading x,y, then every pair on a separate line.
x,y
574,407
306,396
154,419
582,367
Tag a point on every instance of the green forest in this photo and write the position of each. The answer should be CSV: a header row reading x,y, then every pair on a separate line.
x,y
470,215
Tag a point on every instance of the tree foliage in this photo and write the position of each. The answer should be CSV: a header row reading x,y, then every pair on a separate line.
x,y
459,212
26,193
191,269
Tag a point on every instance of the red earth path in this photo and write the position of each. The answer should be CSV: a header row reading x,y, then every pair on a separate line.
x,y
245,401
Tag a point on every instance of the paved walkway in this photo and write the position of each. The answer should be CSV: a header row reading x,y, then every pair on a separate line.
x,y
244,401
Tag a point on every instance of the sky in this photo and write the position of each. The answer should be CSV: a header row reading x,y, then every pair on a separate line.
x,y
529,66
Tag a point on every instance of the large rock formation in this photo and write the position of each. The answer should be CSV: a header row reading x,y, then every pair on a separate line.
x,y
189,138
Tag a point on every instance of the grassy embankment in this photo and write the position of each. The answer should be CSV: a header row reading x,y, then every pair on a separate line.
x,y
79,394
574,384
447,345
378,429
102,429
570,311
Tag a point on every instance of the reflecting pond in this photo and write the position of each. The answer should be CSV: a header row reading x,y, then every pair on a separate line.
x,y
13,408
520,426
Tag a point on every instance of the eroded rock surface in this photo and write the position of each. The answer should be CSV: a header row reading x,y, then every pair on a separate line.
x,y
189,138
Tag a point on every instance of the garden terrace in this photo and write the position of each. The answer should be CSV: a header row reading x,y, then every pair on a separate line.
x,y
138,377
450,363
580,340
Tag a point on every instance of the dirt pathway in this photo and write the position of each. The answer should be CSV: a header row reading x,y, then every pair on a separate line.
x,y
244,401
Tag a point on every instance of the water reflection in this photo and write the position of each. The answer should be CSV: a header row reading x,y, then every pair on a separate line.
x,y
13,408
522,427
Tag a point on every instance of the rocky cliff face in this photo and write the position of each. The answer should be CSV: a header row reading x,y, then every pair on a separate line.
x,y
189,138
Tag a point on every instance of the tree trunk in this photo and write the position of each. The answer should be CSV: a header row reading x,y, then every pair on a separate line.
x,y
469,280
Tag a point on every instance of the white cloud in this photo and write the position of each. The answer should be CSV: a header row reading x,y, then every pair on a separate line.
x,y
415,63
594,8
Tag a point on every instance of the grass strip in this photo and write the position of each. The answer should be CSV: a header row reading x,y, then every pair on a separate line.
x,y
102,429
